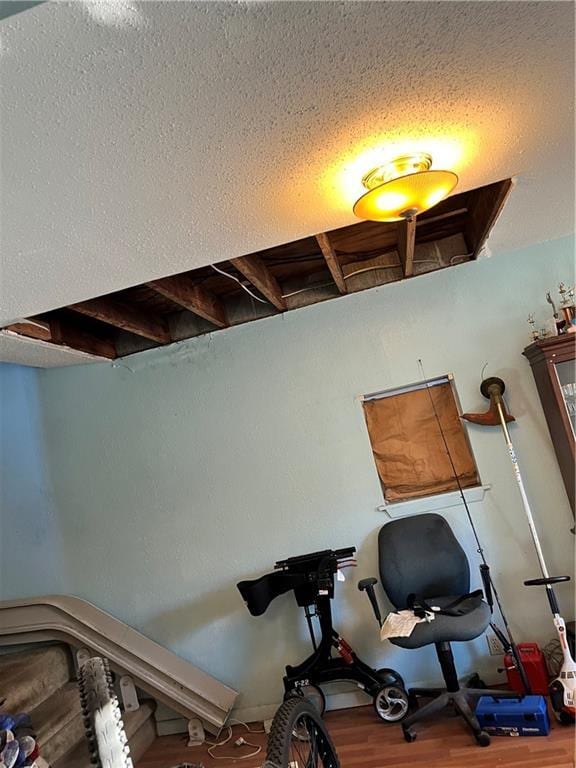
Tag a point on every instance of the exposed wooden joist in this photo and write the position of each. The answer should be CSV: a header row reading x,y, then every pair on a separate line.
x,y
332,261
34,329
441,216
182,290
406,244
359,256
254,270
68,335
485,208
126,317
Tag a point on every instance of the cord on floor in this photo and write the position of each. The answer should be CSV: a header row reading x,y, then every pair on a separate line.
x,y
240,742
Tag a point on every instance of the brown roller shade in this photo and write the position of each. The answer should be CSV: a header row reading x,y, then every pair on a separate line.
x,y
407,444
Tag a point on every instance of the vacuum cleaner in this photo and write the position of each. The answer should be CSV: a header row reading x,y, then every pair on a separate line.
x,y
563,688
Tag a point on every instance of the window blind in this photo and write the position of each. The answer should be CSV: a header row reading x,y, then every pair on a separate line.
x,y
407,443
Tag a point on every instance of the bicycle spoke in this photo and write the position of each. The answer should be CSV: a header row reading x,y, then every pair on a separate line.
x,y
314,748
308,752
299,739
297,742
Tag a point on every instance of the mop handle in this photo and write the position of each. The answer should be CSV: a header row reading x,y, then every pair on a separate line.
x,y
525,502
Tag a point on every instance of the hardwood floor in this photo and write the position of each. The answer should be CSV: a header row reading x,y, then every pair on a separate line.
x,y
364,742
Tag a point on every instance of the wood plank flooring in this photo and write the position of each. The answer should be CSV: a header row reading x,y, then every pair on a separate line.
x,y
363,742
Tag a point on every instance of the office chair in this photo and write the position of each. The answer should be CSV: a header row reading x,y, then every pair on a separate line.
x,y
420,556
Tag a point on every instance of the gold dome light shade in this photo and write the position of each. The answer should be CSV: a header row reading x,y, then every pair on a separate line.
x,y
403,188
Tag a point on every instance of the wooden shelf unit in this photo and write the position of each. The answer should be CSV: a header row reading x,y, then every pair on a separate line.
x,y
545,357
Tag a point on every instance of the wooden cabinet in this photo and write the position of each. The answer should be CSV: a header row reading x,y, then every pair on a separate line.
x,y
553,365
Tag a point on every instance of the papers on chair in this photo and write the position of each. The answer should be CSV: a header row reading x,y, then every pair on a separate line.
x,y
401,624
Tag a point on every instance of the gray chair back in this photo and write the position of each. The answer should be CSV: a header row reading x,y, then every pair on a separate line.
x,y
421,555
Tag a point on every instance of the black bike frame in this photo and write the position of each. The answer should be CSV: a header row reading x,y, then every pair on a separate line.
x,y
321,667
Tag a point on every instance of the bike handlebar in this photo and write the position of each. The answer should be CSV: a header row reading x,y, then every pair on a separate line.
x,y
311,561
544,582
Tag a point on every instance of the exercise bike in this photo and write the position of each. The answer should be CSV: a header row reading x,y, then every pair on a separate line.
x,y
311,578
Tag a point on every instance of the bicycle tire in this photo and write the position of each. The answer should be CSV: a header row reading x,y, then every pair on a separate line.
x,y
312,693
316,751
102,717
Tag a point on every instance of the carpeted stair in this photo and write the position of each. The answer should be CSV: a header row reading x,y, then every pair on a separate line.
x,y
41,682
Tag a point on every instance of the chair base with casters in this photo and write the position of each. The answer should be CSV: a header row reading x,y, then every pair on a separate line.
x,y
453,694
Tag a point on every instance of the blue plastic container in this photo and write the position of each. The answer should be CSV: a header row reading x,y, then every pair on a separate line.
x,y
525,716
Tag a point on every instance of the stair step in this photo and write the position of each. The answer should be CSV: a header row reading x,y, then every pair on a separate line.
x,y
29,678
143,737
141,732
58,722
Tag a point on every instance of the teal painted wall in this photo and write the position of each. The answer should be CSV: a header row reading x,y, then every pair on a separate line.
x,y
30,551
178,472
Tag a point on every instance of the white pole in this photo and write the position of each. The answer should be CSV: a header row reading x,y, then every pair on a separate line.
x,y
567,677
525,501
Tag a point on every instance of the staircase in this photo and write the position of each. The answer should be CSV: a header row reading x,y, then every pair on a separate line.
x,y
41,683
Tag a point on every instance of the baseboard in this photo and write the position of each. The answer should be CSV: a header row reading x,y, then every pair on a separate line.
x,y
342,696
169,727
255,714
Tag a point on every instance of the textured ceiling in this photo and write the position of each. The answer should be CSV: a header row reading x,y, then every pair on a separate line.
x,y
144,139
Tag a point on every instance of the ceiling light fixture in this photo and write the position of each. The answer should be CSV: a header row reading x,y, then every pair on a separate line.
x,y
403,188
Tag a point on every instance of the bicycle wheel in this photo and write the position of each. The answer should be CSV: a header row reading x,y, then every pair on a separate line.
x,y
102,717
312,693
299,739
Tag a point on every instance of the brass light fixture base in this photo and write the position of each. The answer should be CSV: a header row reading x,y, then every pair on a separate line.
x,y
403,188
400,166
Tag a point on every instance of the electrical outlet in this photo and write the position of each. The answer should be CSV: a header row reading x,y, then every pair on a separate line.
x,y
494,645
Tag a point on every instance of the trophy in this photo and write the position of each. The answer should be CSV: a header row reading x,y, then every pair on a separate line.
x,y
534,334
558,323
568,320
